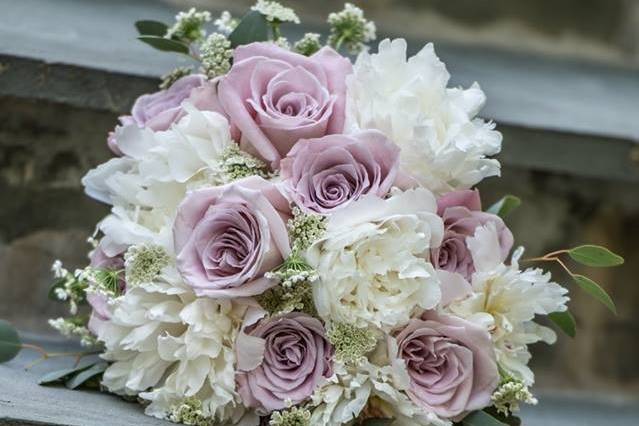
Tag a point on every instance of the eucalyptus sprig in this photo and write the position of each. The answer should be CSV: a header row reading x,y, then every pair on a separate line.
x,y
588,255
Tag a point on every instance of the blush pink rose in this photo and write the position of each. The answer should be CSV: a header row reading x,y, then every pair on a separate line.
x,y
451,364
294,357
227,237
324,174
275,97
461,213
157,111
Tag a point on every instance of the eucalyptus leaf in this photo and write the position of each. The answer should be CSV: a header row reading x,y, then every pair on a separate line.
x,y
165,44
591,255
592,288
481,418
503,207
10,344
151,28
85,375
565,321
62,375
253,27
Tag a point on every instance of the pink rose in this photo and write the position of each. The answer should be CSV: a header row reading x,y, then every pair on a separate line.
x,y
294,355
451,364
276,97
321,175
227,237
100,309
461,212
159,110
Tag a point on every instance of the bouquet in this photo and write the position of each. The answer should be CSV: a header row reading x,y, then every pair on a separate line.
x,y
294,239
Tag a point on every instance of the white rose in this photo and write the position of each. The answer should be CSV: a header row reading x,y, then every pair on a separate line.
x,y
443,145
372,260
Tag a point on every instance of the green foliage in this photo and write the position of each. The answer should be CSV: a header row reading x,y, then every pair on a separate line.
x,y
565,321
85,376
481,418
58,283
505,206
151,28
10,344
597,256
592,288
75,376
253,27
165,44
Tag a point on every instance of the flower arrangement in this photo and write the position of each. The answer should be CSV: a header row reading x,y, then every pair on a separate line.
x,y
294,239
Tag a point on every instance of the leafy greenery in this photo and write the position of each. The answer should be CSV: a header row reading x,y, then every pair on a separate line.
x,y
505,206
481,418
253,27
592,288
165,44
151,28
75,376
597,256
86,375
10,344
565,321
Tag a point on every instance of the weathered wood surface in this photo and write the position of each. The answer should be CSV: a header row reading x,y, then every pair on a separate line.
x,y
23,402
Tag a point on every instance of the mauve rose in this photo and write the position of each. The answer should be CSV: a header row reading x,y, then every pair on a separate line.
x,y
321,175
294,356
451,364
159,110
275,97
100,309
461,213
227,237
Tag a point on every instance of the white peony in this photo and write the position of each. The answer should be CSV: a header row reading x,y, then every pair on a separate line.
x,y
373,260
165,345
506,300
444,146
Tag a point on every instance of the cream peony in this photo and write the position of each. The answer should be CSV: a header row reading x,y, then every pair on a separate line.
x,y
165,345
505,300
373,263
444,146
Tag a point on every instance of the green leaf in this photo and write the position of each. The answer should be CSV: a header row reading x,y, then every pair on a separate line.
x,y
565,321
253,27
62,375
510,420
597,256
151,28
10,344
85,375
377,422
165,44
481,418
595,291
503,207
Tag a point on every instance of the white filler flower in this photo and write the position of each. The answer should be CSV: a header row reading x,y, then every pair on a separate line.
x,y
443,145
506,300
372,260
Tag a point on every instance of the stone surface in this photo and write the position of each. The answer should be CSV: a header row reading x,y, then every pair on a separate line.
x,y
23,402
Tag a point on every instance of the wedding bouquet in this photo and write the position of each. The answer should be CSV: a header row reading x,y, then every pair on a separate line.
x,y
294,239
